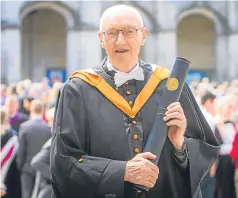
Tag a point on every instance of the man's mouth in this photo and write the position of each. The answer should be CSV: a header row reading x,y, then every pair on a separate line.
x,y
121,51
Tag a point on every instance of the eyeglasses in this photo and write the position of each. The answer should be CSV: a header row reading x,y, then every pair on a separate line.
x,y
111,34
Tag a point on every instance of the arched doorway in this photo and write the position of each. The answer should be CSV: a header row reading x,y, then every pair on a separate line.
x,y
43,43
196,41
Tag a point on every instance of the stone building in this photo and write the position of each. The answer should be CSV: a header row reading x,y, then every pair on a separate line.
x,y
40,35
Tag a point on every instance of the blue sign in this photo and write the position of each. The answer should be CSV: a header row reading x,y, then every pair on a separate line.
x,y
56,75
194,75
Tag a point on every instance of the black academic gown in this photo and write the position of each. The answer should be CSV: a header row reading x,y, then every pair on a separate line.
x,y
90,146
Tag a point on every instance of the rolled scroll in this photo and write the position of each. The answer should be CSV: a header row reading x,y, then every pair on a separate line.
x,y
171,94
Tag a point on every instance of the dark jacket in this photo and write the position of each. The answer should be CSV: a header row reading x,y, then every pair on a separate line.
x,y
32,135
41,163
93,140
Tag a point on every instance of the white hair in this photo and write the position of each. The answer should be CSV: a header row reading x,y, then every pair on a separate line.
x,y
114,10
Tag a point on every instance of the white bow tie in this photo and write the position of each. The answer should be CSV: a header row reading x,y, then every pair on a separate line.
x,y
120,77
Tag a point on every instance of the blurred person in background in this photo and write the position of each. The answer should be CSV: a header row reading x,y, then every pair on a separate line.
x,y
202,88
234,155
234,87
3,93
32,135
21,94
35,90
27,84
225,186
26,105
15,117
10,175
45,99
21,91
222,89
53,94
41,163
50,116
205,80
11,90
234,151
193,87
208,108
45,88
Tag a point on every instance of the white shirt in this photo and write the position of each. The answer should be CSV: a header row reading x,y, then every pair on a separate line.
x,y
209,118
121,77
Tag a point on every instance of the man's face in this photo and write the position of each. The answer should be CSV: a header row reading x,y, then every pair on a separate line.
x,y
12,106
122,48
26,104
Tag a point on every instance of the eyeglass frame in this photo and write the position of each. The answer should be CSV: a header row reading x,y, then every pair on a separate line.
x,y
104,33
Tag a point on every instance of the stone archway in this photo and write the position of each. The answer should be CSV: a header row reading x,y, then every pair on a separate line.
x,y
44,28
196,41
206,31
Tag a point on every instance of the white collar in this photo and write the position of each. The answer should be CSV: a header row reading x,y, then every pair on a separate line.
x,y
121,77
110,67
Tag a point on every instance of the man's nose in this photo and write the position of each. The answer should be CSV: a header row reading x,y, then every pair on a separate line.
x,y
120,39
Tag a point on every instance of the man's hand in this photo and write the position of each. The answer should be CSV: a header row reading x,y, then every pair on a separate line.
x,y
141,171
177,123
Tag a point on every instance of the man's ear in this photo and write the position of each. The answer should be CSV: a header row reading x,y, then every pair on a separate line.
x,y
100,37
144,35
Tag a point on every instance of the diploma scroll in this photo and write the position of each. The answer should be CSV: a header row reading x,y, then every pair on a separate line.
x,y
171,94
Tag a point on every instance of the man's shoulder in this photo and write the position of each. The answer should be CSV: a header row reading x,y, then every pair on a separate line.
x,y
22,116
84,78
151,66
28,125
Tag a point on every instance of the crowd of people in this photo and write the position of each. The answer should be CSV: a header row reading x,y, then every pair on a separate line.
x,y
27,115
218,103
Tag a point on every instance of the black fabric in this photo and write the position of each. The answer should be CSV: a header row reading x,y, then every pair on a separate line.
x,y
89,127
12,181
225,184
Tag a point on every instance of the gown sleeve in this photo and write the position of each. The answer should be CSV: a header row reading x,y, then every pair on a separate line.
x,y
73,172
202,146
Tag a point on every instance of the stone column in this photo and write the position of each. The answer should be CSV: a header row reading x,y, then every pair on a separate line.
x,y
11,41
166,39
222,57
83,50
167,46
233,57
150,49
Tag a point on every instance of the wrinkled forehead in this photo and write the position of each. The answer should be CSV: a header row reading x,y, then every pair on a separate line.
x,y
121,21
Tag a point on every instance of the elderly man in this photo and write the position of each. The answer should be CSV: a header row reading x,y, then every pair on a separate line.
x,y
104,116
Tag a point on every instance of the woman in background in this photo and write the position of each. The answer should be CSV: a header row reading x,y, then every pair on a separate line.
x,y
225,186
10,178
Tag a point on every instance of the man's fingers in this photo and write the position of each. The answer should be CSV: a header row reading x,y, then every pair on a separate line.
x,y
154,175
174,115
148,184
154,168
147,155
152,179
176,108
173,105
175,122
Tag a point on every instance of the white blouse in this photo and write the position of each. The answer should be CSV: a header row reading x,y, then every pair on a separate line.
x,y
227,137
